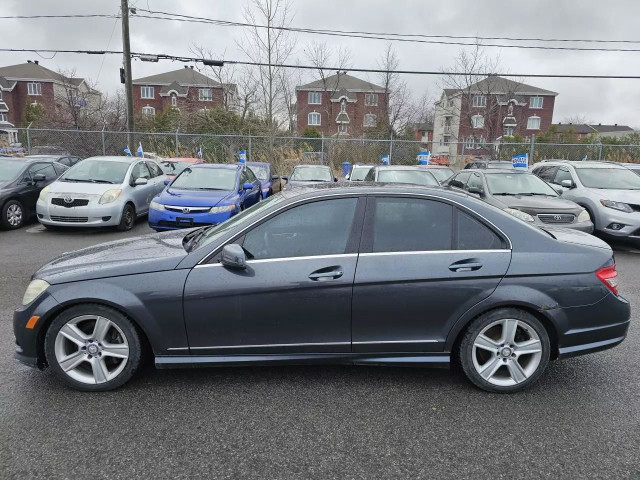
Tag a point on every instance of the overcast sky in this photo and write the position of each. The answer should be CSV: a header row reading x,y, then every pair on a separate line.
x,y
605,101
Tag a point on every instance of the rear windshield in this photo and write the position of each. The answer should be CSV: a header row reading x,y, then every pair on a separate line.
x,y
312,174
358,173
206,179
174,168
415,177
609,178
97,171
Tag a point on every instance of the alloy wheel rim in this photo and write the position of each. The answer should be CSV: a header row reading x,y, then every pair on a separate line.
x,y
14,215
91,349
507,352
128,217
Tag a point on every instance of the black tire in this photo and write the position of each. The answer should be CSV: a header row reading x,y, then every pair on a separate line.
x,y
527,323
128,218
13,215
123,323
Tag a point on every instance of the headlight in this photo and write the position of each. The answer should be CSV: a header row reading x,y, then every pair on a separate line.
x,y
584,216
34,290
623,207
226,208
156,206
44,193
518,214
109,196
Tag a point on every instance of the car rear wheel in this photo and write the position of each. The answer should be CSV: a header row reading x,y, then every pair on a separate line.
x,y
505,350
93,348
12,215
128,218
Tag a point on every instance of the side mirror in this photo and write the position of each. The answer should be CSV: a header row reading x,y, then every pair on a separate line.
x,y
167,181
247,186
568,184
140,181
38,177
275,177
233,256
476,190
285,178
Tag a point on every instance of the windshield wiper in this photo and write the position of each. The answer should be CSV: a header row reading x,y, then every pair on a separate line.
x,y
83,180
209,188
191,239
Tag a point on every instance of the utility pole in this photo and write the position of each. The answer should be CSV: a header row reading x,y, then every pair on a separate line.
x,y
126,54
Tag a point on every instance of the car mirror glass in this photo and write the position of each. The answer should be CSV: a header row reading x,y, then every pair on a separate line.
x,y
233,256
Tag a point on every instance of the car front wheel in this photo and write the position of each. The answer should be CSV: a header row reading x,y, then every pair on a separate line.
x,y
128,218
93,347
505,350
12,215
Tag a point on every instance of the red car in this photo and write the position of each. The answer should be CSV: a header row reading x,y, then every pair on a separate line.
x,y
173,166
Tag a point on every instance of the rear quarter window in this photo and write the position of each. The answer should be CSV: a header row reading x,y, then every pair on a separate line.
x,y
472,234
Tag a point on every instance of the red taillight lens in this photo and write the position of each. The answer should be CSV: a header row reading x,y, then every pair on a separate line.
x,y
609,276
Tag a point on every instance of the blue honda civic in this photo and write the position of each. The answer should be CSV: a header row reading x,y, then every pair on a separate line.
x,y
204,194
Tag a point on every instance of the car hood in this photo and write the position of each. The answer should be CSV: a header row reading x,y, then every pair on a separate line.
x,y
625,196
536,203
59,187
577,237
144,254
194,198
297,183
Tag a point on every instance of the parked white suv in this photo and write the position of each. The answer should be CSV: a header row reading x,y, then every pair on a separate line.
x,y
609,192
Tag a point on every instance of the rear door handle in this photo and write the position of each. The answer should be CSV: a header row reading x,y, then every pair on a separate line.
x,y
329,273
465,266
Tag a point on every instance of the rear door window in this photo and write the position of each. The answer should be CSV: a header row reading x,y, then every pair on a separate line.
x,y
563,174
140,170
45,169
409,225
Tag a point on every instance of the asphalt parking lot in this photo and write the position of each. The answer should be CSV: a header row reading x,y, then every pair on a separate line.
x,y
581,420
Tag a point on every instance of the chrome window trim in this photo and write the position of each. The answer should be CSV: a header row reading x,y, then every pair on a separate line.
x,y
361,194
220,347
269,260
431,252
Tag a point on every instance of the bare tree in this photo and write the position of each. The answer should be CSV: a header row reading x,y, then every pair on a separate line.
x,y
577,119
265,44
288,82
397,106
77,102
225,76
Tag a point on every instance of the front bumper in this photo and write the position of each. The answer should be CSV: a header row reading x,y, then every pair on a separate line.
x,y
630,221
92,215
168,220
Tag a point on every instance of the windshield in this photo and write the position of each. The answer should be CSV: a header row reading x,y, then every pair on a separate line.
x,y
517,183
206,179
259,171
97,171
174,168
415,177
359,172
253,212
312,174
441,174
608,178
9,170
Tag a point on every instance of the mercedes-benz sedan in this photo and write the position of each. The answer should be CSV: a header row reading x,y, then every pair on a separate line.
x,y
366,274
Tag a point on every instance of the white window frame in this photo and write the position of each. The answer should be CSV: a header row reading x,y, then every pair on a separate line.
x,y
315,115
533,103
480,143
313,96
533,117
174,101
149,111
445,141
34,88
0,94
479,101
342,128
147,92
477,121
205,95
371,99
469,143
3,117
370,116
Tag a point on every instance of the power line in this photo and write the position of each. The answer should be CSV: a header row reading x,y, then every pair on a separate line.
x,y
395,37
25,17
219,63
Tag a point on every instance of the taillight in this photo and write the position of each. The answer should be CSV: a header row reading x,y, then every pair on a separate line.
x,y
609,276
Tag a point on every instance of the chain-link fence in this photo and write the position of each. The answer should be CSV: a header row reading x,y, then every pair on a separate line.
x,y
286,152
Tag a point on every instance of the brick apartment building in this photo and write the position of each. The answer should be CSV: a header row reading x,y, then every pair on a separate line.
x,y
340,105
468,120
31,83
185,89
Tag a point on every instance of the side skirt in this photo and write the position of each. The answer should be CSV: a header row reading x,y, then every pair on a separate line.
x,y
388,359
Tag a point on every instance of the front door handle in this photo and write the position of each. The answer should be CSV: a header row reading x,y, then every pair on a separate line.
x,y
465,266
328,273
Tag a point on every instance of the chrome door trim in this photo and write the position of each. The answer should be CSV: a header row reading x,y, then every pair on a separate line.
x,y
220,347
360,194
395,341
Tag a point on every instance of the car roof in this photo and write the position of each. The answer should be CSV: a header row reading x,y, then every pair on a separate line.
x,y
32,159
311,165
48,156
400,167
582,163
257,164
435,166
122,158
179,159
225,166
504,170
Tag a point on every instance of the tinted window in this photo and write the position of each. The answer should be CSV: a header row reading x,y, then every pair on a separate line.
x,y
154,169
371,176
65,161
250,175
410,224
546,173
45,169
475,181
319,228
459,180
563,174
474,235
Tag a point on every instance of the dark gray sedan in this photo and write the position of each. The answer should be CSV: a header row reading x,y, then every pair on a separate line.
x,y
523,195
365,274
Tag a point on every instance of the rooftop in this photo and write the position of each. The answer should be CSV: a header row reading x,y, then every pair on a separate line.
x,y
584,128
183,76
35,71
499,85
341,81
